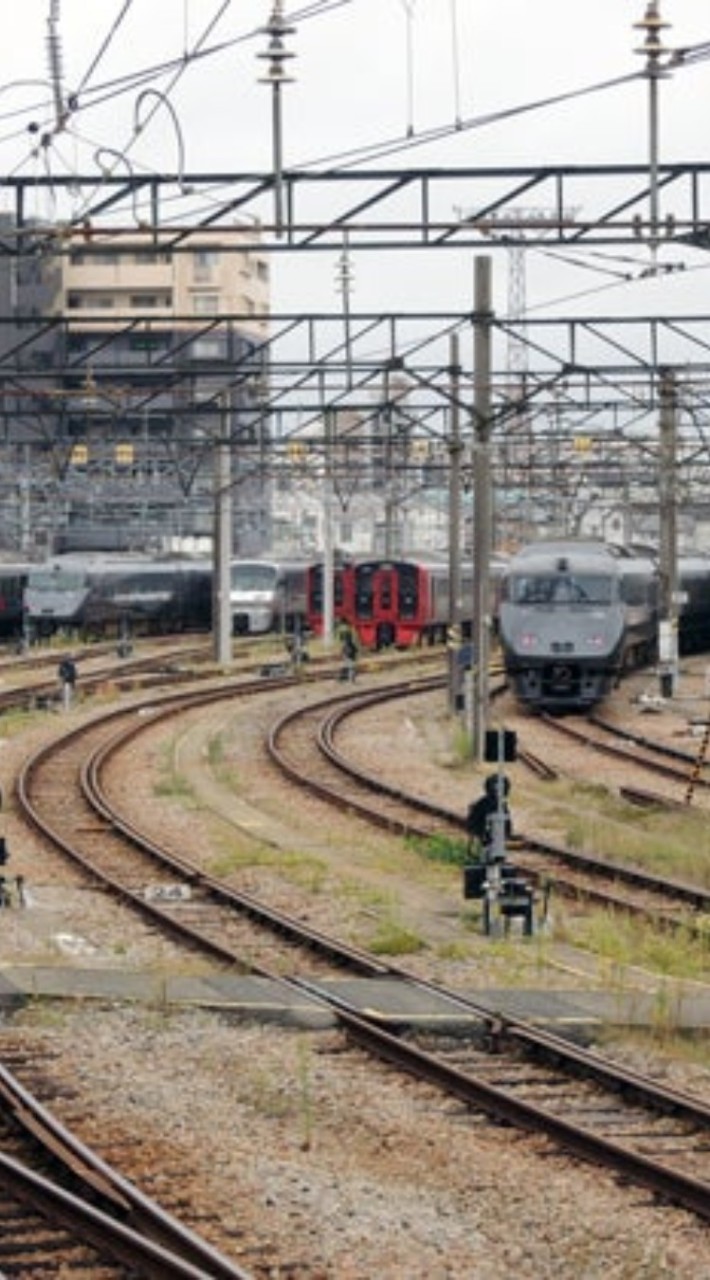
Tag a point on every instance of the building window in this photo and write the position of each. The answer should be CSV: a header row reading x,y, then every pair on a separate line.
x,y
151,257
138,300
97,258
148,342
205,304
89,301
345,533
207,349
205,263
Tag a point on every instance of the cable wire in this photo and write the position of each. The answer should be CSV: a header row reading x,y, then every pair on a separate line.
x,y
104,47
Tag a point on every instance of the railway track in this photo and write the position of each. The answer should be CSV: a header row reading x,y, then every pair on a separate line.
x,y
312,759
301,744
636,1147
61,792
637,752
65,1211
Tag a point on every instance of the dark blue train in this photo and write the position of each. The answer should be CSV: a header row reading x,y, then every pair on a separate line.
x,y
13,581
104,595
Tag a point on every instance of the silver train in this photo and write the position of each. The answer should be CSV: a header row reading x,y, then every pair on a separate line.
x,y
574,616
268,595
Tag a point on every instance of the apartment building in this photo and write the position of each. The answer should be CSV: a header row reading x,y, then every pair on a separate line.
x,y
127,355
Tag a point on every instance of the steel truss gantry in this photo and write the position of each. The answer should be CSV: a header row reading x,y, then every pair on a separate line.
x,y
378,209
376,375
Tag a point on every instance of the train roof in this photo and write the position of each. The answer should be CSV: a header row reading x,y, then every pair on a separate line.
x,y
77,562
558,553
279,562
425,561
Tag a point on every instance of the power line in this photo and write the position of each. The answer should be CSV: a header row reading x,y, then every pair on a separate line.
x,y
104,47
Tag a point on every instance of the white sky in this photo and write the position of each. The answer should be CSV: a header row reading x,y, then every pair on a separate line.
x,y
354,86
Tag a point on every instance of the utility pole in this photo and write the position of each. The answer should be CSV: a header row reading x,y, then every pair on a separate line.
x,y
328,549
653,49
222,540
276,77
668,543
482,508
455,602
344,286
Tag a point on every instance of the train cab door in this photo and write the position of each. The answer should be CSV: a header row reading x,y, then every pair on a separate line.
x,y
385,605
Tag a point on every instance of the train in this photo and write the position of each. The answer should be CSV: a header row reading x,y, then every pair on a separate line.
x,y
343,596
386,602
576,615
104,595
13,582
268,595
397,602
401,603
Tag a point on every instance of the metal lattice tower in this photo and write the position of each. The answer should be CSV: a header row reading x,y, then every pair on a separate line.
x,y
521,217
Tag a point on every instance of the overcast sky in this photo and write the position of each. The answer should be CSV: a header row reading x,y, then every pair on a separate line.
x,y
366,72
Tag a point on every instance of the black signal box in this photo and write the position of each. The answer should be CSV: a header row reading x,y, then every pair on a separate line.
x,y
501,746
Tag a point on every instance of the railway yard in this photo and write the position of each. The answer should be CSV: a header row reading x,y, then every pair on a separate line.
x,y
297,1150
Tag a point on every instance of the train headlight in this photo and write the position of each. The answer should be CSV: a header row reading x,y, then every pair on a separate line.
x,y
595,642
528,640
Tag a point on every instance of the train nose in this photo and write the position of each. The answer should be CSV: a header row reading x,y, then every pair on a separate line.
x,y
561,678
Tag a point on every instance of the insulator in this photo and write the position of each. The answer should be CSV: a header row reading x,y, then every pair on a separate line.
x,y
276,52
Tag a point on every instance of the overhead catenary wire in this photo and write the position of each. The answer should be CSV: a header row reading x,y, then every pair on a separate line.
x,y
103,47
387,146
684,57
99,95
455,66
396,144
408,6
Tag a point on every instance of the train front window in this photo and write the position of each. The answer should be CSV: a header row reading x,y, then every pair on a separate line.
x,y
50,580
407,591
562,589
364,591
253,577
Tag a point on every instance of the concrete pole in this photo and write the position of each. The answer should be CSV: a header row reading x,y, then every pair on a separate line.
x,y
482,509
653,49
222,542
668,538
328,552
455,601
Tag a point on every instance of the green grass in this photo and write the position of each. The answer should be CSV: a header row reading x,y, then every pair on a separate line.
x,y
390,938
674,844
626,941
173,787
302,869
442,849
171,784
